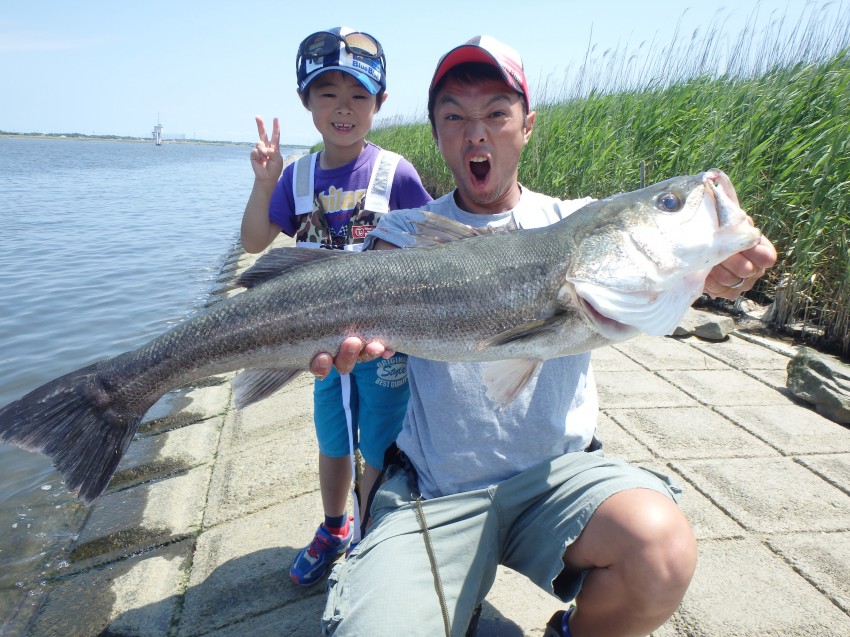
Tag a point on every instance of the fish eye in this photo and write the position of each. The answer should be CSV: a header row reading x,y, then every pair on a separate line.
x,y
669,202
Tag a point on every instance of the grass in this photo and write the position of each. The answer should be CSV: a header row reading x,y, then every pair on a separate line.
x,y
772,116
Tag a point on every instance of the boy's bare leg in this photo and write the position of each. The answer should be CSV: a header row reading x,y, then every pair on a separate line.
x,y
642,554
335,483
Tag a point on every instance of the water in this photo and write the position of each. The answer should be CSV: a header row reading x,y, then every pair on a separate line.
x,y
103,246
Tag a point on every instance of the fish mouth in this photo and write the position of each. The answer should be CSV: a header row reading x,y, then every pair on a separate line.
x,y
731,219
720,186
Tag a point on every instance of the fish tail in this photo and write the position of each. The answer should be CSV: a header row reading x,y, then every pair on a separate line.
x,y
77,421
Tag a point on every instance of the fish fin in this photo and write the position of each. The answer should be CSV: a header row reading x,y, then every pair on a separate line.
x,y
253,385
505,379
525,332
434,230
279,261
71,421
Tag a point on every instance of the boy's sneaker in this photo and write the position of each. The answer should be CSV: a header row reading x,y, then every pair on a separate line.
x,y
313,560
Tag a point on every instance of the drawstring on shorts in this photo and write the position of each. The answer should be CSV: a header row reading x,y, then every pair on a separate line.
x,y
429,548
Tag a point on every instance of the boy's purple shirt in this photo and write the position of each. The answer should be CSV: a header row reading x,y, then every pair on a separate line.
x,y
338,186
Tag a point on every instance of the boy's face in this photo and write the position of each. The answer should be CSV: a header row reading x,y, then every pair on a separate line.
x,y
342,109
481,131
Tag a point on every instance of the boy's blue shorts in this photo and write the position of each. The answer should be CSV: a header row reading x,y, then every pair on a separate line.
x,y
379,395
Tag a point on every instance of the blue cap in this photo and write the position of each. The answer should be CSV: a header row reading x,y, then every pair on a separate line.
x,y
312,61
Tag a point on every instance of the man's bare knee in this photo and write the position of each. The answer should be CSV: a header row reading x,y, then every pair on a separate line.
x,y
644,542
664,564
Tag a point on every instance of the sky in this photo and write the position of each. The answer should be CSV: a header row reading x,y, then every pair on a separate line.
x,y
204,69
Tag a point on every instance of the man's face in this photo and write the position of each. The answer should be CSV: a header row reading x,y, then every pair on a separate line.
x,y
480,131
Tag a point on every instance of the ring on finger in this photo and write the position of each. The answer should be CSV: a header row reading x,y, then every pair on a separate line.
x,y
738,284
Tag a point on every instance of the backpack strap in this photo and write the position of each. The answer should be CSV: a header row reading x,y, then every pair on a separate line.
x,y
381,183
303,174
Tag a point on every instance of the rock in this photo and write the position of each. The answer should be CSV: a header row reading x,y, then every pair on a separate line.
x,y
753,309
705,325
823,381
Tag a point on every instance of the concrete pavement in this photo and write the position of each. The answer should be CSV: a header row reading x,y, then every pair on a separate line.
x,y
199,526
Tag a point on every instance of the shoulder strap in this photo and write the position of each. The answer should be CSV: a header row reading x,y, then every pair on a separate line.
x,y
303,174
381,182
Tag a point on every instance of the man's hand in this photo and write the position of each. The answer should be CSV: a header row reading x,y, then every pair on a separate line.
x,y
740,272
351,351
266,159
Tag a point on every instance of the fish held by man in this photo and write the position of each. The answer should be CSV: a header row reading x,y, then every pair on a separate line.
x,y
619,266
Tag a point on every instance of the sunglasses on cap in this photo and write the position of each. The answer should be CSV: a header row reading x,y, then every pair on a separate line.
x,y
325,43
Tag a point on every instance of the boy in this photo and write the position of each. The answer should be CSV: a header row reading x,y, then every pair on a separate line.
x,y
332,199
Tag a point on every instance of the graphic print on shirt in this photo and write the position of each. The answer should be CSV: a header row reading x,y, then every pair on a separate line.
x,y
392,372
314,228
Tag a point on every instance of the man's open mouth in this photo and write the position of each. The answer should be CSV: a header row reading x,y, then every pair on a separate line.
x,y
479,167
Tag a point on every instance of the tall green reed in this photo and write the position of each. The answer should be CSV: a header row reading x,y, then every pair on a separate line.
x,y
770,109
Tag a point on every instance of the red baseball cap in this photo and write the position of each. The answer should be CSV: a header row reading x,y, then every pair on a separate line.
x,y
486,49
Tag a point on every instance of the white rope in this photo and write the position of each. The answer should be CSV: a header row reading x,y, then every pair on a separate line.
x,y
345,381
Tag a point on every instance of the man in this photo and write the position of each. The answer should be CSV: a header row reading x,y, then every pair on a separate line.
x,y
527,487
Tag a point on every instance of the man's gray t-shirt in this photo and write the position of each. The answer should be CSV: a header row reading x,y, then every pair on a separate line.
x,y
453,434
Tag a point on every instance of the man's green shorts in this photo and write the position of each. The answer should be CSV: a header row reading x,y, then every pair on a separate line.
x,y
388,586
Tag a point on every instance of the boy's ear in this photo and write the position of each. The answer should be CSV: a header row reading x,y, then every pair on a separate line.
x,y
380,98
303,97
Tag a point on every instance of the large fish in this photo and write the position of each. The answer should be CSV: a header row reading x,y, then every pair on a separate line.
x,y
619,266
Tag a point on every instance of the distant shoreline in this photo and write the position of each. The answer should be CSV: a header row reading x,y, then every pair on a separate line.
x,y
117,138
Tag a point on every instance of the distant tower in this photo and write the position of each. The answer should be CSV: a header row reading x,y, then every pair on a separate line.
x,y
157,132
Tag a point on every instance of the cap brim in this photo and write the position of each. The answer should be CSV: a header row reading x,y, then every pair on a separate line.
x,y
368,83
